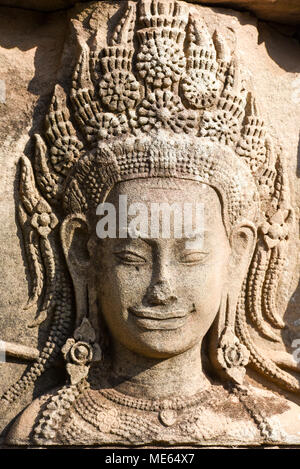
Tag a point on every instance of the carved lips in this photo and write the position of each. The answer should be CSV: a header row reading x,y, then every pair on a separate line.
x,y
159,320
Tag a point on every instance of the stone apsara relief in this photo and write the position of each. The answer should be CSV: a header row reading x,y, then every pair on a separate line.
x,y
156,340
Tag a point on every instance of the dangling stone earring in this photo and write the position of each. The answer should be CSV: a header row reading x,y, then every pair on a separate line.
x,y
229,355
80,351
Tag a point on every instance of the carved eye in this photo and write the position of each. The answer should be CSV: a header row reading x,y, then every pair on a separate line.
x,y
192,258
131,258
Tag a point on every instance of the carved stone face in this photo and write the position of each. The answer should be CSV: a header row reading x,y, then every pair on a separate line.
x,y
158,297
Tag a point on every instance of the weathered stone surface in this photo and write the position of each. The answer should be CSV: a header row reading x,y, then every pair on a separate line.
x,y
281,11
171,131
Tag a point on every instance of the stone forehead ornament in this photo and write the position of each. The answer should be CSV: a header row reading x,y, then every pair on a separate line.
x,y
165,98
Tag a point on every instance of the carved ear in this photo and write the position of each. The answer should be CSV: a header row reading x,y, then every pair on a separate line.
x,y
75,234
242,241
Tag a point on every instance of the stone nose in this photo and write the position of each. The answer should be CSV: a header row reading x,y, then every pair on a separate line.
x,y
161,293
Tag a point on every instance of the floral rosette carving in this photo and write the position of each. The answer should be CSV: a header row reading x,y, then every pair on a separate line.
x,y
200,89
161,62
119,90
109,125
107,419
43,219
64,153
276,229
220,126
233,356
80,351
162,109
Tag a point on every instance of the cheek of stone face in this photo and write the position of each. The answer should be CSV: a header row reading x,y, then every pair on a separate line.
x,y
120,286
202,286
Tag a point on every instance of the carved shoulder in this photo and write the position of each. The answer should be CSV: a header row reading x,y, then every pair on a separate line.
x,y
20,432
289,423
282,415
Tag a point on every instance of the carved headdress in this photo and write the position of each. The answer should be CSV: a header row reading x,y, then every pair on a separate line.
x,y
165,98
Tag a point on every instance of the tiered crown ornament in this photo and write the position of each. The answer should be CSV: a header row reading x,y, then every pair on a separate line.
x,y
165,98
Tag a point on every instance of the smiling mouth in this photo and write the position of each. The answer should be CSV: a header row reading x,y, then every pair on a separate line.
x,y
159,320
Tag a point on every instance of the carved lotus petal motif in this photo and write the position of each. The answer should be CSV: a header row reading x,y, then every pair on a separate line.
x,y
77,372
43,207
97,353
85,332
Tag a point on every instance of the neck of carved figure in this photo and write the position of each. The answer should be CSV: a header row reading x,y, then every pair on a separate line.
x,y
150,378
